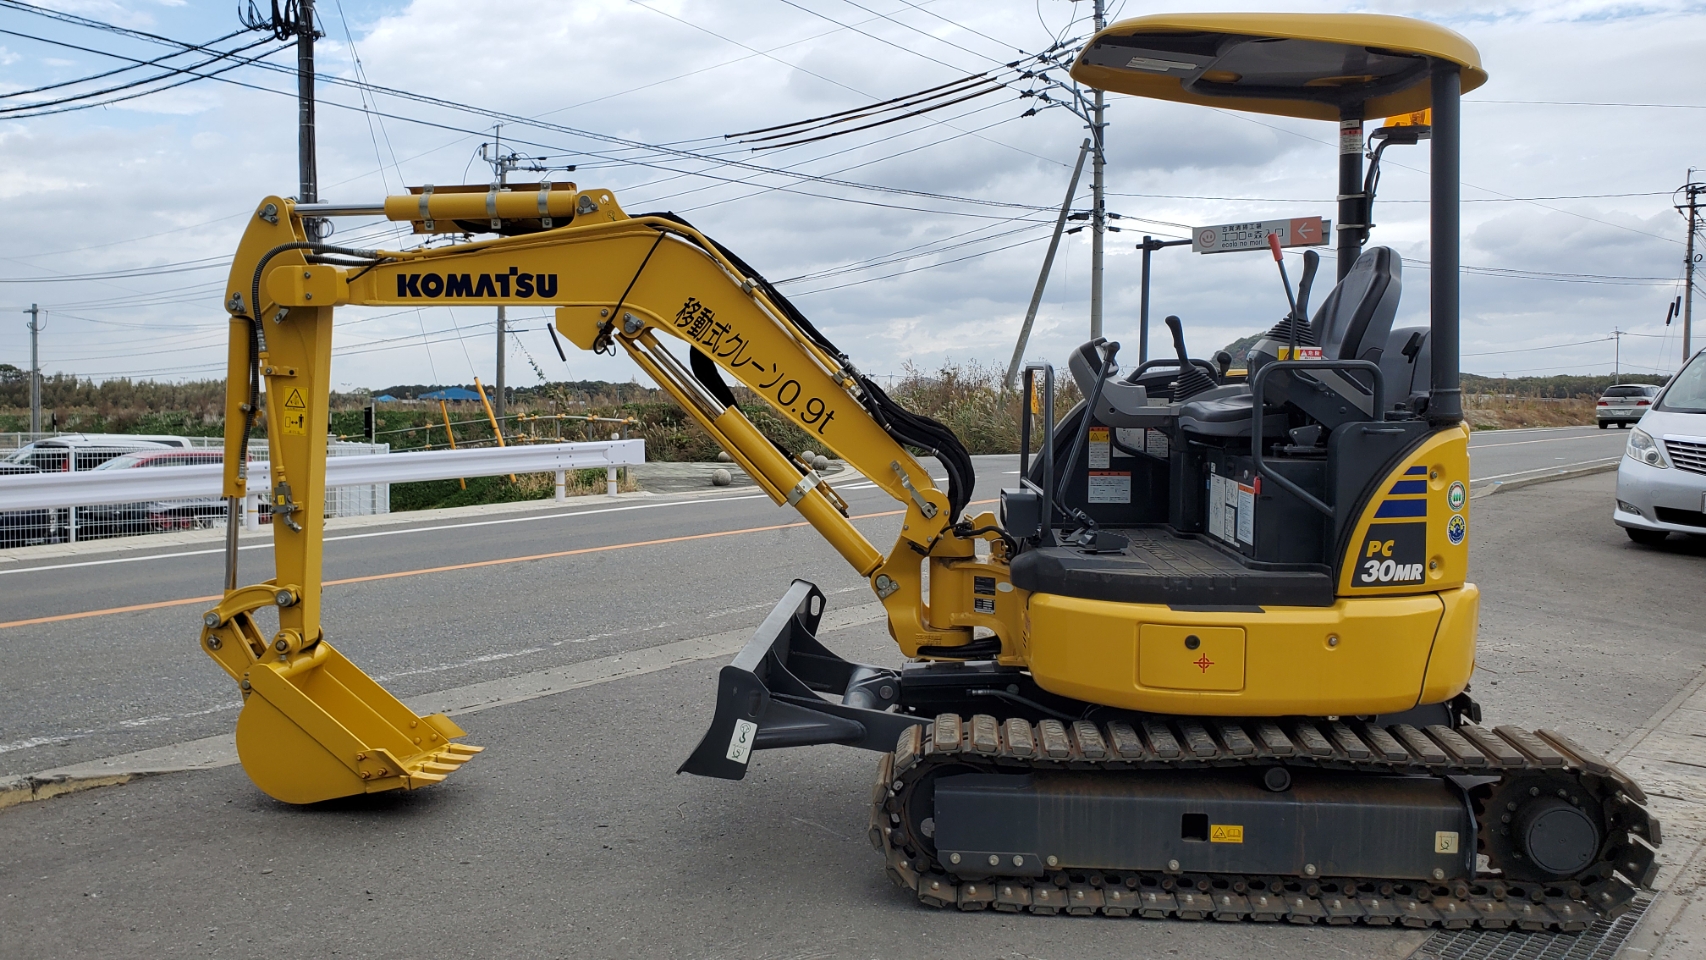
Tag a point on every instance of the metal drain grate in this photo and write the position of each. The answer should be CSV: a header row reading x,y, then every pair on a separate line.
x,y
1598,942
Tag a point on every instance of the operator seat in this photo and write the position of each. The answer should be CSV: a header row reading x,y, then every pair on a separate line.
x,y
1355,319
1353,323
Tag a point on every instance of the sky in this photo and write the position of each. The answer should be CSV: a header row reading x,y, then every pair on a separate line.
x,y
924,249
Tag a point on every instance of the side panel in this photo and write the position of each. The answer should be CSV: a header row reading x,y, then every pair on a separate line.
x,y
1453,658
1355,657
1413,535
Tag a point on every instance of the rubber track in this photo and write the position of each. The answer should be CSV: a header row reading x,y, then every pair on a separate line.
x,y
1605,888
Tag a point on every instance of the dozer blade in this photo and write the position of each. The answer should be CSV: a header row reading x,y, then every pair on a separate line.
x,y
315,727
769,696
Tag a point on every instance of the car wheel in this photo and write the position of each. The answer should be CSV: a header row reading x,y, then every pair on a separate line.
x,y
1647,538
1603,424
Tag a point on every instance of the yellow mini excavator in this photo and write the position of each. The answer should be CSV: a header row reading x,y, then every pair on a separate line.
x,y
1210,659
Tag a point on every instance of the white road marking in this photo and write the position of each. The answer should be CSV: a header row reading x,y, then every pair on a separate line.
x,y
1517,443
1521,473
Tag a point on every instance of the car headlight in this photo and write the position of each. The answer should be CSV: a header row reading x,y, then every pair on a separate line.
x,y
1644,448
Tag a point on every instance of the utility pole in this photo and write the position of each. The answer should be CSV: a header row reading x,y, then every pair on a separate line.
x,y
295,18
502,164
1098,209
35,369
1693,190
308,171
1617,355
1012,379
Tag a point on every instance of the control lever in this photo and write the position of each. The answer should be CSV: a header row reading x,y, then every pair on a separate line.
x,y
1279,260
1192,380
1087,536
1311,263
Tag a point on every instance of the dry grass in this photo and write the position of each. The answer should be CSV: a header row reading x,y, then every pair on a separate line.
x,y
970,400
1487,412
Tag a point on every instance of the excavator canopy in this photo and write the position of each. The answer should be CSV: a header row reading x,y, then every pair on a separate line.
x,y
1316,66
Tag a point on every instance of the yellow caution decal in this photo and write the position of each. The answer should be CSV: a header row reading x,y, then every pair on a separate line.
x,y
1226,833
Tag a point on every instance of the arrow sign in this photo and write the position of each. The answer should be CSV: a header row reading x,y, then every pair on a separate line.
x,y
1230,237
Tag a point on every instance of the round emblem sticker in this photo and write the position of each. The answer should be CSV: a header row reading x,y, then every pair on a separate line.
x,y
1455,529
1457,496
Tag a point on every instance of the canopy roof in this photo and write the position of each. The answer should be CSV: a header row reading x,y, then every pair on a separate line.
x,y
1310,65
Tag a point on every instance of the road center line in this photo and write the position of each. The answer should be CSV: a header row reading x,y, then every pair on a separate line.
x,y
392,533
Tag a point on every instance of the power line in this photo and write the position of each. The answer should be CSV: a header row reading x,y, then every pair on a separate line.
x,y
1304,136
103,75
889,43
1555,346
1576,196
186,266
1595,103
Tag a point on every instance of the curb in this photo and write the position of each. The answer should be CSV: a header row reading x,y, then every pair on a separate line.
x,y
18,790
1565,474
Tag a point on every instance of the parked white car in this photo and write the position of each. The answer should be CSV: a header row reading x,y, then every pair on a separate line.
x,y
1661,483
1624,404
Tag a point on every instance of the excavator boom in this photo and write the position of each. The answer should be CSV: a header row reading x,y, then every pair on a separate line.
x,y
616,282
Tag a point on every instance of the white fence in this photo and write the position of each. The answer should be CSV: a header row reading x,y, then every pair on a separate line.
x,y
23,493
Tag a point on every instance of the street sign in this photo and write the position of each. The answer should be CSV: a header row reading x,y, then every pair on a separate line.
x,y
1230,237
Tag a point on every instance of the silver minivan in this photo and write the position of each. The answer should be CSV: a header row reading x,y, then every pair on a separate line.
x,y
1661,482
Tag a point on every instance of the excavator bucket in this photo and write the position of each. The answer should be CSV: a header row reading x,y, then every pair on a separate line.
x,y
314,726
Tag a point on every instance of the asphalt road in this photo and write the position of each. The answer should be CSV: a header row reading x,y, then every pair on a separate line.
x,y
1506,454
93,686
572,836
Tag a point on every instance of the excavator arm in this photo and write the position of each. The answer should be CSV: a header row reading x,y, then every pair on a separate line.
x,y
616,282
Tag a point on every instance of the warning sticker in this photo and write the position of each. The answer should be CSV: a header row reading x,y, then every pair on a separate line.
x,y
1445,841
1099,448
1350,136
1226,833
294,400
1110,486
1156,444
1246,514
1225,518
740,743
294,423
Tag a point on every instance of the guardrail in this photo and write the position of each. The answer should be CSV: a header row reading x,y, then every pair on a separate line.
x,y
204,483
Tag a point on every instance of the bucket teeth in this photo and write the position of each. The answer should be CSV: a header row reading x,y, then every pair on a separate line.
x,y
421,778
439,768
463,750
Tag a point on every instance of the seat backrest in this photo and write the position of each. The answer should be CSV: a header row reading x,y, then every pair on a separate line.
x,y
1355,319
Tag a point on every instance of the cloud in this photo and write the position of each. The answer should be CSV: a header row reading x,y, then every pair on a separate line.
x,y
171,179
